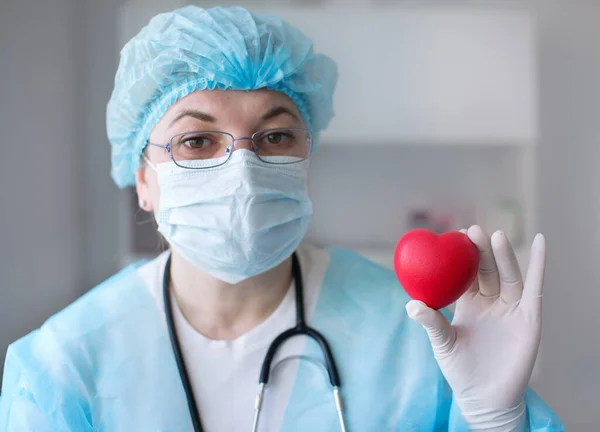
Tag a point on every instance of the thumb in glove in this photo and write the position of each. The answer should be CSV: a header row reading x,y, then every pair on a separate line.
x,y
441,333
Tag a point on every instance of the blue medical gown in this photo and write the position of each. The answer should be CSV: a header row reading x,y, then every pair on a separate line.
x,y
105,364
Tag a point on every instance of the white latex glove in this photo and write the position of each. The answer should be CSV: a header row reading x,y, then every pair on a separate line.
x,y
488,352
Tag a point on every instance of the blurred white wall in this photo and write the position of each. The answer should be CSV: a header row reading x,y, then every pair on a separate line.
x,y
41,145
58,205
99,51
569,193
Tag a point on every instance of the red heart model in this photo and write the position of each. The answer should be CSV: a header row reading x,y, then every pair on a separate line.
x,y
435,268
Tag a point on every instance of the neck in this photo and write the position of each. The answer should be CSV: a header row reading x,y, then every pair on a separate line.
x,y
222,311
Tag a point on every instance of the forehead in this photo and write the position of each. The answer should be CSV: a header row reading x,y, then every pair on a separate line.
x,y
232,103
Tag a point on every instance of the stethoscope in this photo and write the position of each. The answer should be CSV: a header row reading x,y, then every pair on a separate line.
x,y
301,329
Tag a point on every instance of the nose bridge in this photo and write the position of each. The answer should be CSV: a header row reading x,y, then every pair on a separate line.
x,y
246,143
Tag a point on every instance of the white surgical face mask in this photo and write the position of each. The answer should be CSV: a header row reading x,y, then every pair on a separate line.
x,y
236,220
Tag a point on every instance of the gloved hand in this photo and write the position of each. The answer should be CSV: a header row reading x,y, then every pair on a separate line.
x,y
488,352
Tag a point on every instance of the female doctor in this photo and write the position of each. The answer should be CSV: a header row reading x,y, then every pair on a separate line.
x,y
238,326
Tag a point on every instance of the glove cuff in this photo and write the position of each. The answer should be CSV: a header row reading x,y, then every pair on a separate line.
x,y
496,420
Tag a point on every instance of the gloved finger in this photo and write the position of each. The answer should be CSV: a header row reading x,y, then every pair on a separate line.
x,y
511,281
441,334
534,282
489,281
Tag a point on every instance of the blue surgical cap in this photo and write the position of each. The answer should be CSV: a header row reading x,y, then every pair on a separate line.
x,y
193,49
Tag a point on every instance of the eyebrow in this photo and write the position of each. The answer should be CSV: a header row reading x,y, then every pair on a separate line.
x,y
277,111
202,116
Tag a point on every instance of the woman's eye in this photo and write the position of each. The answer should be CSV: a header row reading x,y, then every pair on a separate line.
x,y
277,137
197,142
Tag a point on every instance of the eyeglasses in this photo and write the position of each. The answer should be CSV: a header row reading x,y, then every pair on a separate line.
x,y
274,146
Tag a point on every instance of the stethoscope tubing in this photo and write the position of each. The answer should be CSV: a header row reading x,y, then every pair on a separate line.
x,y
301,329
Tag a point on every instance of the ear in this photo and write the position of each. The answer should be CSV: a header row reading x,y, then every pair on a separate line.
x,y
142,189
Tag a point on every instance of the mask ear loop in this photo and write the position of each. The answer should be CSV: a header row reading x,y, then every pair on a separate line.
x,y
150,164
